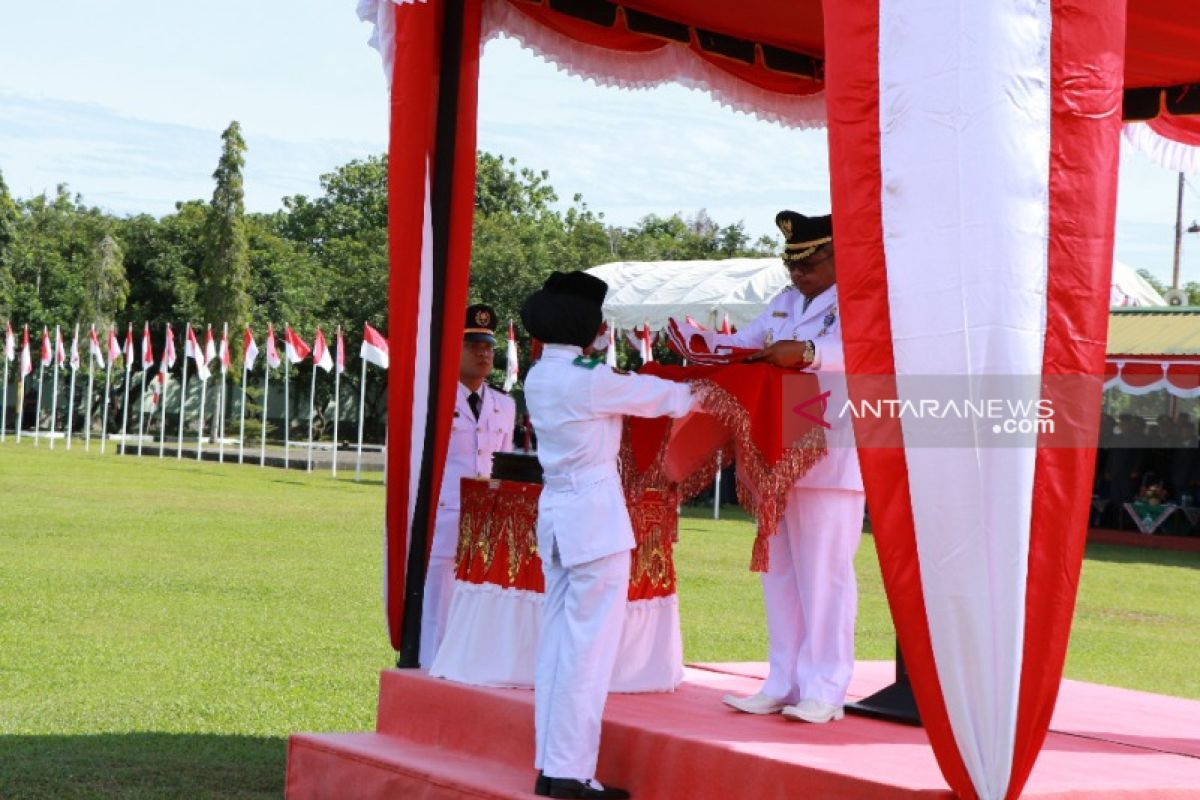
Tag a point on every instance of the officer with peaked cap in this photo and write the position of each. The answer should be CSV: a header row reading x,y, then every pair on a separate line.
x,y
809,590
483,423
584,533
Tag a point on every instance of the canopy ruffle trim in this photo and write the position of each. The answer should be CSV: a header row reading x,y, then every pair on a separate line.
x,y
671,63
1167,153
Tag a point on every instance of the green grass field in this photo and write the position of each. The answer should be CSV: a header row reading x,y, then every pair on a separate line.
x,y
164,625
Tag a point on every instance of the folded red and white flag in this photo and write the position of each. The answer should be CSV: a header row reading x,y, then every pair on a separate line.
x,y
10,343
697,344
26,359
47,355
374,347
223,352
94,349
293,346
341,352
192,350
114,347
273,360
249,349
320,352
169,349
147,348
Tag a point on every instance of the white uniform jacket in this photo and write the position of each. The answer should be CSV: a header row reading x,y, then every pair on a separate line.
x,y
472,443
787,318
576,406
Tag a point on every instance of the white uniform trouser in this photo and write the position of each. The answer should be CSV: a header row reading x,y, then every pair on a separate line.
x,y
811,596
439,586
582,619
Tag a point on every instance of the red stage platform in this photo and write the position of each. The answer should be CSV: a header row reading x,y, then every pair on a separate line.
x,y
437,739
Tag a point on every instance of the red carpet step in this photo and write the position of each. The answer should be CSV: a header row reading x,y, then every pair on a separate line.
x,y
435,739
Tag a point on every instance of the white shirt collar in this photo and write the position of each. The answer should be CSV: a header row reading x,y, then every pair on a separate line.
x,y
561,351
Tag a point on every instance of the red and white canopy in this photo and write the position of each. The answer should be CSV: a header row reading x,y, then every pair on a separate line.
x,y
973,153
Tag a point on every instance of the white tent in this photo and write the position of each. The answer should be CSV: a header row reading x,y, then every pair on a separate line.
x,y
641,292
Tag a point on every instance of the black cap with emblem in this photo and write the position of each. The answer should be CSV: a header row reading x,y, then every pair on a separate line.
x,y
803,235
481,324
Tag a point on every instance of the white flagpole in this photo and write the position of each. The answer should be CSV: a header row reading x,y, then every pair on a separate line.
x,y
362,399
242,413
125,406
71,398
287,409
182,400
312,412
107,393
200,429
142,411
4,404
54,399
262,453
337,390
87,425
37,413
221,404
162,404
20,404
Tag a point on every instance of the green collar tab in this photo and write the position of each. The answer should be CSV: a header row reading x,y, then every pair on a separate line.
x,y
587,363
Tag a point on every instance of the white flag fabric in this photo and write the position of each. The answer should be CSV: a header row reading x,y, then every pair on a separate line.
x,y
10,343
273,359
26,358
374,347
223,353
197,355
60,351
511,368
94,348
610,352
210,348
293,346
129,346
320,352
147,348
74,356
114,347
249,349
169,349
47,356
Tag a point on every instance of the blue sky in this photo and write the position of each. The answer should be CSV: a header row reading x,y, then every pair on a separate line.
x,y
125,101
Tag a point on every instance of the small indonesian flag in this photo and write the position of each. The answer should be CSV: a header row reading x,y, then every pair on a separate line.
x,y
10,343
147,348
129,347
26,359
60,352
114,347
249,349
192,350
210,349
169,349
341,352
223,353
293,346
273,360
47,355
75,349
374,347
610,352
511,367
94,348
320,352
645,344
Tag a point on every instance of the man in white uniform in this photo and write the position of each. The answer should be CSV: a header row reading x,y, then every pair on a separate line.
x,y
809,590
584,534
483,423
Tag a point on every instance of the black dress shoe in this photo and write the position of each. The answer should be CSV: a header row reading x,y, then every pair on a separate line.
x,y
570,788
541,787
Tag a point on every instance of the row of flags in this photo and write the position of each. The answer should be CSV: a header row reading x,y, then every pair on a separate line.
x,y
374,351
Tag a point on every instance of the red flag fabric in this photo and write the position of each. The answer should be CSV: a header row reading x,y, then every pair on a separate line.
x,y
273,360
147,348
374,347
320,352
340,360
210,348
114,347
26,358
129,346
192,349
293,346
94,348
47,354
249,349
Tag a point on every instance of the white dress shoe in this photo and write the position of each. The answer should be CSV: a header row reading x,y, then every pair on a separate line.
x,y
754,704
813,711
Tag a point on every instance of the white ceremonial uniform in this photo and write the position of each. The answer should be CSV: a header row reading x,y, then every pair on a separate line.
x,y
585,538
809,590
469,455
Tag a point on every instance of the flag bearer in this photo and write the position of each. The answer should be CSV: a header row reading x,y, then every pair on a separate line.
x,y
584,533
483,423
